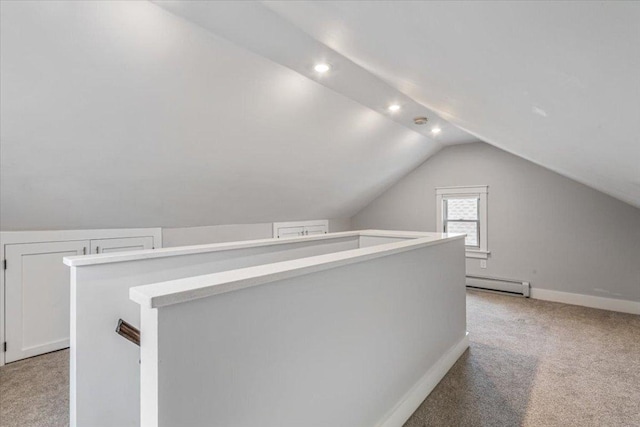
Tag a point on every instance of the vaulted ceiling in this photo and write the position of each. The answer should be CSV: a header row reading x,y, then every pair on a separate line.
x,y
553,82
121,114
557,83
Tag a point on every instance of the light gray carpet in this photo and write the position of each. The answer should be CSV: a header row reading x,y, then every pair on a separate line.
x,y
538,363
35,392
531,363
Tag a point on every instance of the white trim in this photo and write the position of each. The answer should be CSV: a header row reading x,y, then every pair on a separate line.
x,y
188,250
19,237
191,288
468,189
42,349
612,304
9,237
195,249
419,392
480,191
474,253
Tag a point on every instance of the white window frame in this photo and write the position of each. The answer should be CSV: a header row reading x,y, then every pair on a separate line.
x,y
479,191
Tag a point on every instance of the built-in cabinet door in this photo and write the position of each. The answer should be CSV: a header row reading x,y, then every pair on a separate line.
x,y
300,228
290,232
103,246
38,297
315,229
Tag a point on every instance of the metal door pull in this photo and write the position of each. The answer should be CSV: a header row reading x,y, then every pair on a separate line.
x,y
126,330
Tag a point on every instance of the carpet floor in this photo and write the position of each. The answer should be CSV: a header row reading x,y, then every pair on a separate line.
x,y
530,363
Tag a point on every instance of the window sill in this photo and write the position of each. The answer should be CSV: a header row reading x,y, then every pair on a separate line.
x,y
470,253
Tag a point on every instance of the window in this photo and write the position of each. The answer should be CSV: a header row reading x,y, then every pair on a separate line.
x,y
464,210
460,215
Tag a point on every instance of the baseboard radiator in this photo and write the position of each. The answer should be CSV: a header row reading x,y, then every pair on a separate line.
x,y
513,287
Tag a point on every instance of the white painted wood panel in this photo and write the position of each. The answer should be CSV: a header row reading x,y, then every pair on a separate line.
x,y
102,246
300,228
8,238
104,376
312,230
284,232
367,241
105,373
37,296
356,341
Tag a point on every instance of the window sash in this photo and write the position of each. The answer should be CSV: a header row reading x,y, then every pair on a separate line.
x,y
477,233
480,192
446,220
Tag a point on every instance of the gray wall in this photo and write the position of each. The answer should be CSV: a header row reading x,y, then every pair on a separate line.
x,y
544,228
185,236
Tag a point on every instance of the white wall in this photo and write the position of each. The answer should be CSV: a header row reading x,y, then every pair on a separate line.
x,y
104,368
119,114
186,236
357,345
340,224
544,228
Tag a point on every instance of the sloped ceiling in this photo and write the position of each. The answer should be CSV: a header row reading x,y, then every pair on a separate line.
x,y
125,114
557,83
121,114
256,27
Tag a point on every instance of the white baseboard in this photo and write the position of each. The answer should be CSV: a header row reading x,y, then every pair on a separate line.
x,y
602,303
419,392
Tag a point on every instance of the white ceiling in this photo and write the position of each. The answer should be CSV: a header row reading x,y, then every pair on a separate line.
x,y
557,83
257,28
121,114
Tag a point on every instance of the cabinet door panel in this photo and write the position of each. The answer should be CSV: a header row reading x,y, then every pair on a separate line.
x,y
290,232
315,229
103,246
38,297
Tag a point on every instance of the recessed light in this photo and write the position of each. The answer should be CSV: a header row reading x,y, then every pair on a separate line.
x,y
322,67
394,107
436,130
539,111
